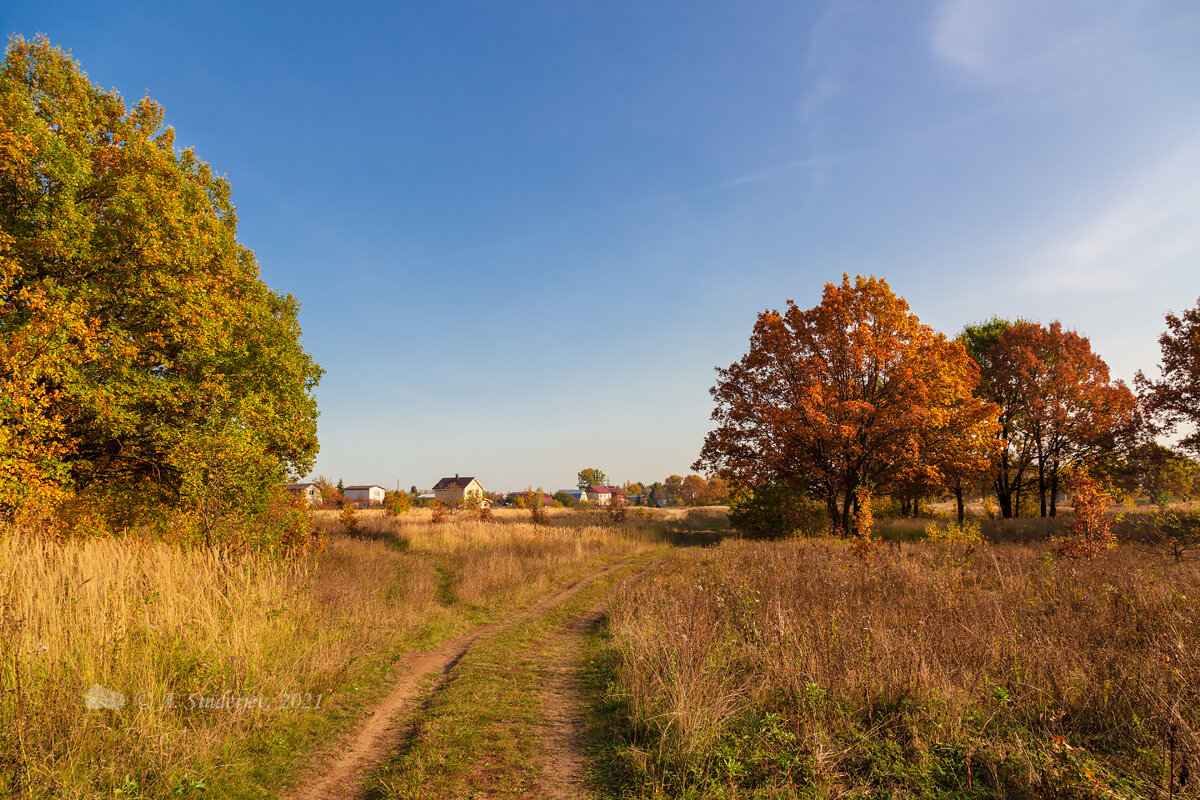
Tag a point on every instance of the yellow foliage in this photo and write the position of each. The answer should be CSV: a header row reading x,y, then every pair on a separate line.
x,y
966,534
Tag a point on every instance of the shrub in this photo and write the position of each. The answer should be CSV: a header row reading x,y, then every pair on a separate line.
x,y
616,510
349,517
396,504
1175,534
1092,529
967,534
863,545
774,511
439,512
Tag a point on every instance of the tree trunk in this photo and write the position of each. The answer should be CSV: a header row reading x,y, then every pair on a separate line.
x,y
905,506
1004,498
1017,502
916,507
1003,487
1054,489
962,512
1042,483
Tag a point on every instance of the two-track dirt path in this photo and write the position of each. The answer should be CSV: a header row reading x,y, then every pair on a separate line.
x,y
342,773
565,736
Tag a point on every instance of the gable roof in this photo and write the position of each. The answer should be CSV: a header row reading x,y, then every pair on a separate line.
x,y
607,490
452,483
369,486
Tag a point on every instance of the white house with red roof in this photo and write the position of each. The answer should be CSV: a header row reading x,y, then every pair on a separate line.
x,y
603,495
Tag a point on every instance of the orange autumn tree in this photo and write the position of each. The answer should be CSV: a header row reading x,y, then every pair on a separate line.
x,y
693,489
1071,411
854,392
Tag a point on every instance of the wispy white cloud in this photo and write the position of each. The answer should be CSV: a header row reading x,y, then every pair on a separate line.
x,y
819,163
1150,226
1031,42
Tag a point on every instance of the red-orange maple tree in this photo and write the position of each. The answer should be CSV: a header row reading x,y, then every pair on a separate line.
x,y
853,392
1071,411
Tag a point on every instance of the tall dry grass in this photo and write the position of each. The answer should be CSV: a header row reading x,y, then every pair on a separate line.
x,y
166,626
791,669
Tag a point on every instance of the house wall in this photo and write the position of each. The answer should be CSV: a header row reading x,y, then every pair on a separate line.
x,y
448,496
373,494
455,496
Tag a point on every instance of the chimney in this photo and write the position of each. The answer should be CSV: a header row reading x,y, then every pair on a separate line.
x,y
456,476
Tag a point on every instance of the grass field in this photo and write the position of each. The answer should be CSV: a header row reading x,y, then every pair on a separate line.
x,y
175,631
726,669
793,669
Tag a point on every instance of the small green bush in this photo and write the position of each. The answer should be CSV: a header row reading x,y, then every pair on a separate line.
x,y
775,511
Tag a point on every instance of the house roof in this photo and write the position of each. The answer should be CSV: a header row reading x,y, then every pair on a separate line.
x,y
607,490
297,487
453,483
369,486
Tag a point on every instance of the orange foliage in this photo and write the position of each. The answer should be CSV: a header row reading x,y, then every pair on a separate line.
x,y
1092,528
1069,410
863,545
693,489
853,392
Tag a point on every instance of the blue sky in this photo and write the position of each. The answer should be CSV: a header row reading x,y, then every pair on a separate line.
x,y
523,234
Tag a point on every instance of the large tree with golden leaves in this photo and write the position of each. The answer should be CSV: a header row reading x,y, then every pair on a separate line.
x,y
855,392
142,359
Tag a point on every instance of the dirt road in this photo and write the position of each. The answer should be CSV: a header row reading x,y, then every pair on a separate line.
x,y
342,772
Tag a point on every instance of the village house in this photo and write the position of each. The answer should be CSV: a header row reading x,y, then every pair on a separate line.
x,y
453,491
309,491
603,495
370,495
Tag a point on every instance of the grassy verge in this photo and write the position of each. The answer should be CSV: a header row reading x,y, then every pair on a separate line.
x,y
480,735
184,633
794,670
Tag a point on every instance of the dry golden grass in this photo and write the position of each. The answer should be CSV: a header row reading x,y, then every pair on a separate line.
x,y
791,669
157,622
